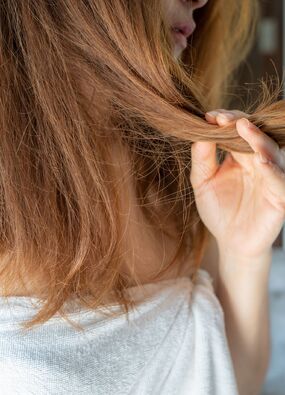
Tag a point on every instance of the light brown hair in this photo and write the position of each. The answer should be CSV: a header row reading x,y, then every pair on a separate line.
x,y
60,202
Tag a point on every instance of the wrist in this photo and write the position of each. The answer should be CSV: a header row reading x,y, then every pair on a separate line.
x,y
235,261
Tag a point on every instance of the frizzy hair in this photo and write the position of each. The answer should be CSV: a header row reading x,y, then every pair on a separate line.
x,y
80,79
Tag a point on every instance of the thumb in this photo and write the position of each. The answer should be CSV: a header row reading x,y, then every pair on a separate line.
x,y
204,162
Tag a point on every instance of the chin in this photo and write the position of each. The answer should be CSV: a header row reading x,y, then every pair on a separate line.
x,y
177,52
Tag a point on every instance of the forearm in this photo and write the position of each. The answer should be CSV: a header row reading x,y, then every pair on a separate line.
x,y
243,293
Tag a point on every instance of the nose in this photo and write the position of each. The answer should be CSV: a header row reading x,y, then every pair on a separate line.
x,y
195,3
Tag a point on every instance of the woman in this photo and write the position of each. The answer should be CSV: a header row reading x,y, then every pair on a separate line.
x,y
112,197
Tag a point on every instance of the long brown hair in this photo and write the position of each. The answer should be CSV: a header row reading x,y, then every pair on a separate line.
x,y
80,79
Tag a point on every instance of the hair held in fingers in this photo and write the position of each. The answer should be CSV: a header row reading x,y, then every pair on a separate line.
x,y
82,83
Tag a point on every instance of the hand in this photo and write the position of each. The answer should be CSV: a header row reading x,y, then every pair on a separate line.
x,y
241,201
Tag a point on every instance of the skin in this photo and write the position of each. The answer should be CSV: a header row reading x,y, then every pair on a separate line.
x,y
266,182
180,11
242,203
244,196
243,187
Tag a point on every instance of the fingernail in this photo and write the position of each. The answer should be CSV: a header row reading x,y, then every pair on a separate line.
x,y
247,123
213,113
243,125
227,116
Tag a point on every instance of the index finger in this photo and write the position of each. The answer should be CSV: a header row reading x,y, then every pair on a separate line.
x,y
222,117
260,142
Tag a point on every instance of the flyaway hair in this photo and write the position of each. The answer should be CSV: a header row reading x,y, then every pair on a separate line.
x,y
81,80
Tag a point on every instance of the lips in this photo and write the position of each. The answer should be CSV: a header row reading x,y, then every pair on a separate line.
x,y
186,29
182,31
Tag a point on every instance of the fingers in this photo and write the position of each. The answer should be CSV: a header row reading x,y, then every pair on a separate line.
x,y
204,163
222,117
261,142
211,116
271,171
258,140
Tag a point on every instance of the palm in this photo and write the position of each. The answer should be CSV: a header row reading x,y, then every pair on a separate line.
x,y
241,201
238,207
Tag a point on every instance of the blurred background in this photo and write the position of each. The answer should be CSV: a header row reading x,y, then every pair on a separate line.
x,y
267,57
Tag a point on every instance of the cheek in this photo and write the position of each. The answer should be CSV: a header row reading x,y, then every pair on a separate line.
x,y
170,9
